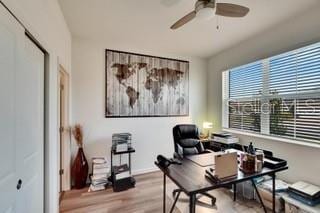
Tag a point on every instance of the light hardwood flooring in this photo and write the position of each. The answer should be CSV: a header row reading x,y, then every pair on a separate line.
x,y
144,198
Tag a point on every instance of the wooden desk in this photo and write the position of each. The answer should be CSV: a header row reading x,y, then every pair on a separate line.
x,y
190,178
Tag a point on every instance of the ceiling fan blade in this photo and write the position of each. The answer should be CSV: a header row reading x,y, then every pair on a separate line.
x,y
184,20
231,10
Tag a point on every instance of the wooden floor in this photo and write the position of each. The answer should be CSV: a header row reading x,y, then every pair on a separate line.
x,y
145,197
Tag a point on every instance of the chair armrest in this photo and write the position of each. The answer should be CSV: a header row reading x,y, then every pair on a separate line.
x,y
208,151
177,155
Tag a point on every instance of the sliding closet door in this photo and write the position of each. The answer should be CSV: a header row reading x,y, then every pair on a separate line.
x,y
22,119
11,51
30,129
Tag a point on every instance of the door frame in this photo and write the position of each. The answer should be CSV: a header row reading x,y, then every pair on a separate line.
x,y
64,159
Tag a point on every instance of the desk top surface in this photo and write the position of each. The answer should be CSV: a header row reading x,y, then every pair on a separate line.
x,y
190,177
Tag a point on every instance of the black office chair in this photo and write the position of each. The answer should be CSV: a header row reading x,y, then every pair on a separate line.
x,y
187,142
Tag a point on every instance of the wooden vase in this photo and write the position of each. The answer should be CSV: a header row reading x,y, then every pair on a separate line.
x,y
79,170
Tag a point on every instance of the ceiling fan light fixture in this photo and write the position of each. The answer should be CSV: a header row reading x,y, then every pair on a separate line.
x,y
206,13
207,9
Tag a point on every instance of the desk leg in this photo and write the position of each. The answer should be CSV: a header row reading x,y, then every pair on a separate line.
x,y
274,193
192,203
164,193
234,192
259,196
130,163
175,202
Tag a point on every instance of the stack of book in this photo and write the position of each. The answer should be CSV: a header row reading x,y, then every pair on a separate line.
x,y
99,177
305,192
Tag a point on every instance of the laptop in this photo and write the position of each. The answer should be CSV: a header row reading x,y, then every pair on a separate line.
x,y
226,165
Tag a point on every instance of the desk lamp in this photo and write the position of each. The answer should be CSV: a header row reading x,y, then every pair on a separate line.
x,y
208,126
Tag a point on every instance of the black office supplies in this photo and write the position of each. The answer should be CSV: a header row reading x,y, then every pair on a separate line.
x,y
273,162
175,161
251,149
210,175
165,162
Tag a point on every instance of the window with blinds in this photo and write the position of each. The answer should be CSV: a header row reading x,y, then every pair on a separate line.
x,y
307,119
245,115
283,74
282,114
277,96
246,81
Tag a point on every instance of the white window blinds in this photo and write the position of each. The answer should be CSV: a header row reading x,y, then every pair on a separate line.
x,y
308,69
246,81
283,74
284,88
245,115
307,120
295,72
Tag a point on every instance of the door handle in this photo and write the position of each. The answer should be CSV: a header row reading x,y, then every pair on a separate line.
x,y
19,184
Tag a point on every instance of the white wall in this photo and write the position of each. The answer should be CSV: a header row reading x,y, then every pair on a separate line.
x,y
44,20
151,136
292,34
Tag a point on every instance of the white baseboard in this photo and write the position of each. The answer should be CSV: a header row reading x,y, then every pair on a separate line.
x,y
144,171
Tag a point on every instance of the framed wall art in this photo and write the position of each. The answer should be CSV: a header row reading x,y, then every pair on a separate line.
x,y
145,86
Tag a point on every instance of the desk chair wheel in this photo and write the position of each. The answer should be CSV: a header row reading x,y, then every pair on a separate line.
x,y
213,201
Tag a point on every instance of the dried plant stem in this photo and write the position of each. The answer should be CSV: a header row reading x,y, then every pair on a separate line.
x,y
78,135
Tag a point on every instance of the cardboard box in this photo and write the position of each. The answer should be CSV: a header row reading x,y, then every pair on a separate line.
x,y
290,208
266,197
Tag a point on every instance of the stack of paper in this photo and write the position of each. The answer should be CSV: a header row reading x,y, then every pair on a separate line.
x,y
121,141
99,178
121,171
122,147
226,138
305,192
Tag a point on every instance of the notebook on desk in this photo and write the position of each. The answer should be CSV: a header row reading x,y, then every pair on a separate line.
x,y
208,159
202,160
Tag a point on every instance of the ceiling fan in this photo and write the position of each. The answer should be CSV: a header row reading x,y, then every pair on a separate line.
x,y
206,9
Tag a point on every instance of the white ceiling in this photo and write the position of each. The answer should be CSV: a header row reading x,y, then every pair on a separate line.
x,y
146,23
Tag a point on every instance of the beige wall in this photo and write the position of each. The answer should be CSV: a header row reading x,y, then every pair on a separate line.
x,y
297,32
44,20
151,136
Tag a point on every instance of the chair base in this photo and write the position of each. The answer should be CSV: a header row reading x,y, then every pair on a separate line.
x,y
213,199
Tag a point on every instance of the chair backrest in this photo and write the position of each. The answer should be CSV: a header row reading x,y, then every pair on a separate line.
x,y
186,140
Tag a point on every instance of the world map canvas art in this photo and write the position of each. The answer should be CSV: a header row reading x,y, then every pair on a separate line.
x,y
145,86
